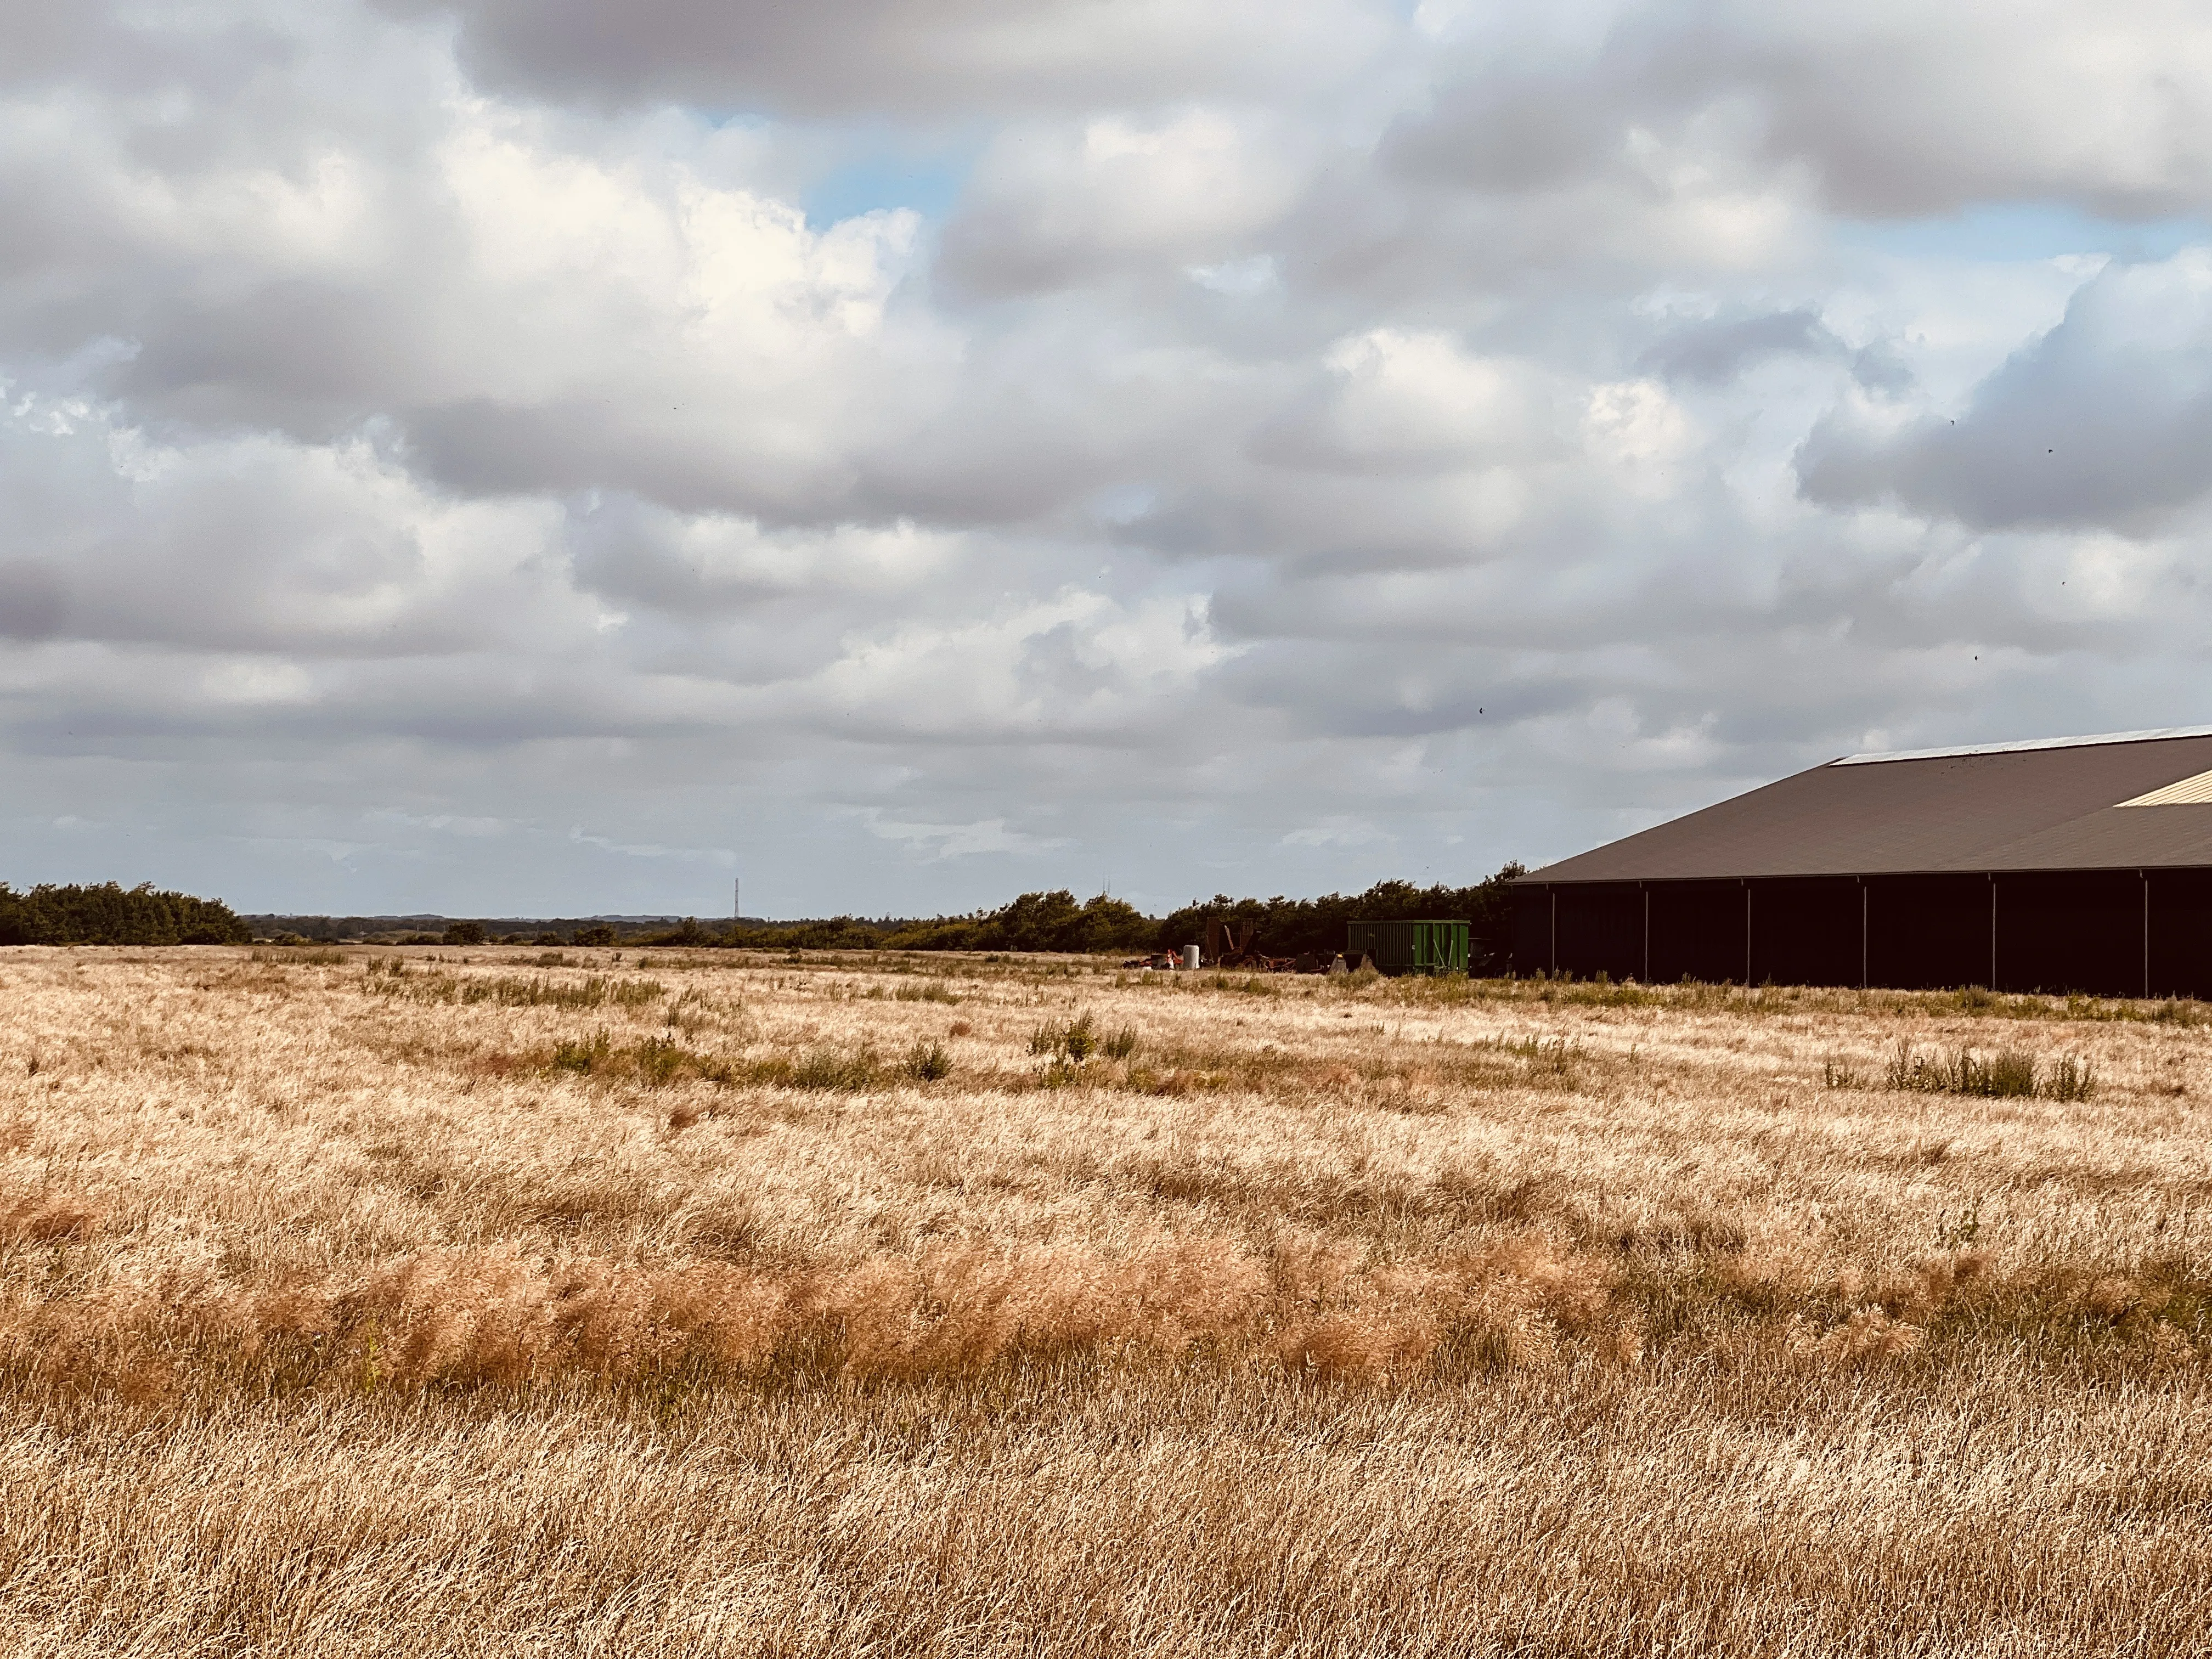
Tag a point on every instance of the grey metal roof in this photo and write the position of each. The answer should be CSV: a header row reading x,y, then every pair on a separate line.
x,y
2051,805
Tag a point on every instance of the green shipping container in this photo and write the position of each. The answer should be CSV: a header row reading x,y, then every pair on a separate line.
x,y
1409,947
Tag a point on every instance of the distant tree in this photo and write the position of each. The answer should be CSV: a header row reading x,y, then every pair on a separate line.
x,y
597,933
111,915
1035,922
463,933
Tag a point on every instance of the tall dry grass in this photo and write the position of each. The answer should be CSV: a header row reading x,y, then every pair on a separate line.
x,y
438,1301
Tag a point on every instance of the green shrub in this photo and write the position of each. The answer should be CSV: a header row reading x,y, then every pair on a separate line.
x,y
1079,1041
656,1061
660,1060
927,1062
825,1068
585,1056
1074,1042
2070,1079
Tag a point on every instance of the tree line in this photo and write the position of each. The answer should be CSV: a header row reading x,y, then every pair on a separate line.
x,y
1046,921
1057,920
112,915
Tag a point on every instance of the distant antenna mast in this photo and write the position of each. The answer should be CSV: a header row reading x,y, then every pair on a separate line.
x,y
737,901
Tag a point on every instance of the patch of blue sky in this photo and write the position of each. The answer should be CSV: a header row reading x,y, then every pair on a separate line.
x,y
2009,232
928,182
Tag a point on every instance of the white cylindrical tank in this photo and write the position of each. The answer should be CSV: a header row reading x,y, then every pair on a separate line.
x,y
1191,956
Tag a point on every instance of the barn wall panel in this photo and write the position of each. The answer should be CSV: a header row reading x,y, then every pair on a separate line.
x,y
1601,930
1532,930
2181,933
1927,933
1805,931
1697,931
2072,931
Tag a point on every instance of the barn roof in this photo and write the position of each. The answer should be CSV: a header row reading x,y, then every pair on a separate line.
x,y
2126,800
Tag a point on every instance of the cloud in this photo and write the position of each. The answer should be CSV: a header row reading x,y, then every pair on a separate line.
x,y
1712,351
911,56
2103,423
938,842
715,855
32,600
634,552
1391,402
1052,208
1077,668
1337,830
1895,108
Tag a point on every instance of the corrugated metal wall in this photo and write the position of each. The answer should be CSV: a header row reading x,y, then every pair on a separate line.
x,y
1410,947
2106,932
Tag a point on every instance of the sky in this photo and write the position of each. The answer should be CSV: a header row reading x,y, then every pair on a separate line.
x,y
556,457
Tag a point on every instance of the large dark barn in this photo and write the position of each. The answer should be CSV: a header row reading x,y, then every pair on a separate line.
x,y
2078,864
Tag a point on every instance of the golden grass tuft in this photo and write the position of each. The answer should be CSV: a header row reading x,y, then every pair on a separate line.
x,y
48,1218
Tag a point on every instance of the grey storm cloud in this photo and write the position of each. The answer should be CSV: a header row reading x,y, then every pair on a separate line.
x,y
33,600
932,57
494,456
1715,350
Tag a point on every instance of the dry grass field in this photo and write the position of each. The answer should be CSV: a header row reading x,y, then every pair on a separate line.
x,y
494,1303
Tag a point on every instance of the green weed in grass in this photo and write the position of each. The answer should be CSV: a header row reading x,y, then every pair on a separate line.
x,y
2007,1073
929,990
1834,1074
508,992
583,1055
828,1069
1550,1060
927,1062
1074,1042
2070,1079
